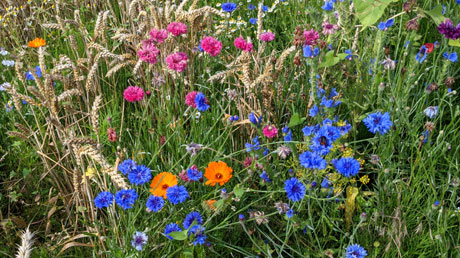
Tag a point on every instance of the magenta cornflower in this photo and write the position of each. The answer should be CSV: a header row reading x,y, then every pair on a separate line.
x,y
133,94
242,44
311,37
159,35
177,28
190,99
148,53
211,45
177,61
267,36
270,131
329,28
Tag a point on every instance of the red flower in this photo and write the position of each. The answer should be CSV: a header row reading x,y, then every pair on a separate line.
x,y
112,135
429,47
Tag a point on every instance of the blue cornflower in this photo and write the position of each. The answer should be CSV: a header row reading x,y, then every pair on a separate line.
x,y
295,189
177,194
421,55
127,166
199,237
458,1
139,240
290,213
347,166
173,227
253,21
264,8
436,203
328,6
312,160
155,203
251,7
322,142
356,251
255,146
431,111
406,43
140,175
378,122
38,72
314,111
191,217
194,174
451,57
229,7
241,217
200,48
255,120
201,102
265,177
444,9
103,199
309,130
126,198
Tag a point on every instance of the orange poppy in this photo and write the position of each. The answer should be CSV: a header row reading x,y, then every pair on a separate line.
x,y
161,183
218,172
37,42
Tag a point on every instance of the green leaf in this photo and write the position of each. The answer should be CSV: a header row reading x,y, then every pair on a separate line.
x,y
26,172
296,120
219,203
179,235
370,11
329,60
436,14
239,192
454,43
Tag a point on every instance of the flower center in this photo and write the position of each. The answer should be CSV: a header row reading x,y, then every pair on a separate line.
x,y
376,120
218,175
165,186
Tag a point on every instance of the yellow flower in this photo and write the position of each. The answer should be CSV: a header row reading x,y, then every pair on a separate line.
x,y
364,179
352,180
348,152
341,123
361,161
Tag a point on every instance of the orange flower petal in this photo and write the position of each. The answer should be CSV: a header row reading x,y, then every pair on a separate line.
x,y
161,182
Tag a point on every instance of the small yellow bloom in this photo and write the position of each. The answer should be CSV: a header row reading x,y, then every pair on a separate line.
x,y
361,161
352,180
90,172
341,123
364,179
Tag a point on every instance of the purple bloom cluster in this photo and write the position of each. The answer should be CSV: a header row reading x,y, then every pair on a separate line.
x,y
448,29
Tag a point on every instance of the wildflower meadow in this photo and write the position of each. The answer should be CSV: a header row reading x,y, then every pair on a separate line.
x,y
270,128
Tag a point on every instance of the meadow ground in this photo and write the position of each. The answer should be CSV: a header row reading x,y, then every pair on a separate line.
x,y
152,128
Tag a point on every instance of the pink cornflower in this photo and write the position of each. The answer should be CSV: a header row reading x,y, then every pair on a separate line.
x,y
190,99
311,36
243,44
267,36
270,131
133,94
158,35
211,45
177,28
183,176
148,53
177,61
329,28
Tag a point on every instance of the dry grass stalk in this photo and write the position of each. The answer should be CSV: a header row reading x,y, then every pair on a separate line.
x,y
25,248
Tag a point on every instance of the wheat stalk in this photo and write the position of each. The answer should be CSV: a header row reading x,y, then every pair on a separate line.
x,y
95,114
